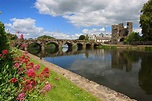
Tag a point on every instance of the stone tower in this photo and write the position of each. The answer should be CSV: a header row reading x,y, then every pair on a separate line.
x,y
115,32
119,33
129,27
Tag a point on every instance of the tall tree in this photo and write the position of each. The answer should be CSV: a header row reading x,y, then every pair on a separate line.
x,y
87,37
146,21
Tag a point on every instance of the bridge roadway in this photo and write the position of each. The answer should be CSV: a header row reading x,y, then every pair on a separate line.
x,y
58,43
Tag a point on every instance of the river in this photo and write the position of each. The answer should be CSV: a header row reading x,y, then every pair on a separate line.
x,y
125,71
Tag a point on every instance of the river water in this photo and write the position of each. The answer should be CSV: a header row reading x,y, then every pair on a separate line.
x,y
128,72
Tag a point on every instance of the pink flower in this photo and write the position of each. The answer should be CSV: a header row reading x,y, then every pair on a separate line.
x,y
46,88
21,36
21,96
16,65
45,72
29,87
0,55
23,45
13,80
36,67
4,51
31,73
26,52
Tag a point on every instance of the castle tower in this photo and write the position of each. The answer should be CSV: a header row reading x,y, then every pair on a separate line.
x,y
129,27
121,26
115,33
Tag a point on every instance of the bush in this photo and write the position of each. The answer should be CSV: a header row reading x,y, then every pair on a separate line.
x,y
134,36
149,49
3,38
6,71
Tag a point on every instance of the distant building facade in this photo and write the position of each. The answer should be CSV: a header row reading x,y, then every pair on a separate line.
x,y
92,37
119,32
100,39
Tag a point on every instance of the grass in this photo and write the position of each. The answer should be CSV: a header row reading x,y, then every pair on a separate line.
x,y
107,47
148,49
63,90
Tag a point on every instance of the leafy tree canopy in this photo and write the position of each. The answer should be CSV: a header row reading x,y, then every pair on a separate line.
x,y
81,37
12,36
45,37
146,21
134,36
3,38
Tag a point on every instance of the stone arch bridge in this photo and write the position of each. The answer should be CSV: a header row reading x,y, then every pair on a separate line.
x,y
58,43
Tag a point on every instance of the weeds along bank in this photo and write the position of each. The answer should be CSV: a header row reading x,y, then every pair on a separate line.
x,y
147,48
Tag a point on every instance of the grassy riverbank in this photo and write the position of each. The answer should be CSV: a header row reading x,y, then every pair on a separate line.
x,y
147,48
63,90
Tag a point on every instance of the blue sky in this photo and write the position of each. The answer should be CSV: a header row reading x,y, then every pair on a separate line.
x,y
67,18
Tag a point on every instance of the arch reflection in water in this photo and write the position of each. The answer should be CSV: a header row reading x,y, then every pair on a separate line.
x,y
34,48
65,48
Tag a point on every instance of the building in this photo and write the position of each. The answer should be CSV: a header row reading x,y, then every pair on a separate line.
x,y
100,39
119,32
92,37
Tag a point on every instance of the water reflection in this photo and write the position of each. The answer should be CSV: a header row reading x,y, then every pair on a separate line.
x,y
124,59
145,73
128,72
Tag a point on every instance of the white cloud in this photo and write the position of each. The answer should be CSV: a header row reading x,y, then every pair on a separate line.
x,y
137,30
92,12
95,31
28,28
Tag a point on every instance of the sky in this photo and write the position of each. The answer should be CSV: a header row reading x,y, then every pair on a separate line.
x,y
68,19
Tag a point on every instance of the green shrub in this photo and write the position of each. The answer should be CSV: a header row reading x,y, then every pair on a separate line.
x,y
149,49
3,38
107,47
6,71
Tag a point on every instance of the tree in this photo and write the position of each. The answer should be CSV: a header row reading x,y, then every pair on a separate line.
x,y
87,37
134,36
12,36
146,21
81,37
3,38
45,37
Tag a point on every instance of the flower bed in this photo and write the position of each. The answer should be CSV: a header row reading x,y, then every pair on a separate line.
x,y
27,80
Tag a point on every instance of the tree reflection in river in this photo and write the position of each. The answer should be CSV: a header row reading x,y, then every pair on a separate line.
x,y
124,59
145,73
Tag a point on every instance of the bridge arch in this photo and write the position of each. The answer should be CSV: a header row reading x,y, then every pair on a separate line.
x,y
96,45
52,42
79,46
34,47
68,43
88,45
